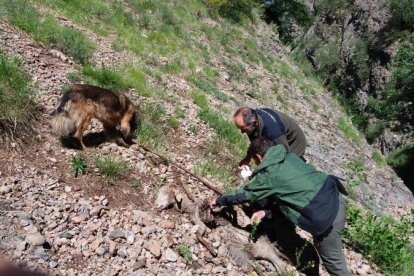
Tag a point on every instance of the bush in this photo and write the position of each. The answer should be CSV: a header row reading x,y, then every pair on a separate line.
x,y
237,11
287,12
403,13
16,104
385,241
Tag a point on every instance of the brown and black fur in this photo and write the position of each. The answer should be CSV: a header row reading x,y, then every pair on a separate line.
x,y
81,103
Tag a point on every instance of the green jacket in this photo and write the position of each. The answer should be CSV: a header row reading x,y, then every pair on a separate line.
x,y
308,198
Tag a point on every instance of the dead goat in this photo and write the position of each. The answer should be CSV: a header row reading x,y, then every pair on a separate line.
x,y
237,246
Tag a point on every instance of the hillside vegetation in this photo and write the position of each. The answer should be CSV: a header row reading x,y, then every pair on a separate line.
x,y
188,64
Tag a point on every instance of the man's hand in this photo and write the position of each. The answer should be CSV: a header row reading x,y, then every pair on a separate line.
x,y
212,202
257,216
244,162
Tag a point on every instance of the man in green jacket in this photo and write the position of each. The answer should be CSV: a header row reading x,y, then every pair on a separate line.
x,y
308,198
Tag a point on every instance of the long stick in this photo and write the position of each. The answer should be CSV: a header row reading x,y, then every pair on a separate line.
x,y
205,182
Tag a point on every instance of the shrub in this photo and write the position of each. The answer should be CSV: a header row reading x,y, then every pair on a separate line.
x,y
16,104
287,12
185,252
237,11
78,165
378,158
382,239
403,12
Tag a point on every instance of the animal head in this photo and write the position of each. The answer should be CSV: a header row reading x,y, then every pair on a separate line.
x,y
134,124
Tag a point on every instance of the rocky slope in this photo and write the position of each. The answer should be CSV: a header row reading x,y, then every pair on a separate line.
x,y
63,225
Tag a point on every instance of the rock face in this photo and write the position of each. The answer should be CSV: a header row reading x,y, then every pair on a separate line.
x,y
350,43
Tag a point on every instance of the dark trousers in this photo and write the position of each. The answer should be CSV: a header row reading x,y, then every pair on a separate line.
x,y
329,244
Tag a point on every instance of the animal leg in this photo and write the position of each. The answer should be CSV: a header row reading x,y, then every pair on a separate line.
x,y
82,125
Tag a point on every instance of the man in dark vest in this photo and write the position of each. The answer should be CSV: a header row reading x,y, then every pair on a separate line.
x,y
306,197
274,125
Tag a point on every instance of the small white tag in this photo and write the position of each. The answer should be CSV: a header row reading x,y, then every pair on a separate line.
x,y
245,172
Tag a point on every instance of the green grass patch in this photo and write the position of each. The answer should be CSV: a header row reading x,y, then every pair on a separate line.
x,y
47,30
16,96
225,130
199,99
174,66
356,174
151,132
173,122
381,239
378,158
111,167
349,131
104,77
208,86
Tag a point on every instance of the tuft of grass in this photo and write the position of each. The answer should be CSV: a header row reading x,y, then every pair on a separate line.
x,y
78,165
382,239
208,86
199,99
185,252
193,128
110,167
136,183
378,158
173,122
349,131
105,77
174,66
16,96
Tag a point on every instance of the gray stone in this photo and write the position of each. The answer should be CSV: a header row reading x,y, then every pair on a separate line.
x,y
170,255
5,190
130,237
116,234
35,239
53,264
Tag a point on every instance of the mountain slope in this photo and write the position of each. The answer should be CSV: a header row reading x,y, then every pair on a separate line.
x,y
188,79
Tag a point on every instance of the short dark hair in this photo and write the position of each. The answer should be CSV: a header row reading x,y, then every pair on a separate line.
x,y
259,146
249,115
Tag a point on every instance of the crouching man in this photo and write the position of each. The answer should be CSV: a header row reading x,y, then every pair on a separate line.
x,y
308,198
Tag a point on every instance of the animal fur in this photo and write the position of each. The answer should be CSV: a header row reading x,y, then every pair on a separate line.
x,y
81,103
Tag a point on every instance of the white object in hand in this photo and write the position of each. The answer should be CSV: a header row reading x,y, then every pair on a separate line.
x,y
245,172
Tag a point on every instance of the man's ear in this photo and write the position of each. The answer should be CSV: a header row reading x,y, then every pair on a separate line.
x,y
258,157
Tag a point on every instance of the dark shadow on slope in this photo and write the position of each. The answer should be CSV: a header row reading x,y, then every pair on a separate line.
x,y
403,164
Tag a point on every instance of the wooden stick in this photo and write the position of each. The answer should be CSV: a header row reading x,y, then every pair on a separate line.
x,y
205,182
206,243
